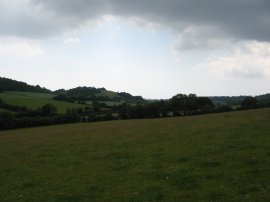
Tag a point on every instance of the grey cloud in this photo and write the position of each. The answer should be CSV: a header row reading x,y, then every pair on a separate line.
x,y
240,19
201,38
27,20
243,19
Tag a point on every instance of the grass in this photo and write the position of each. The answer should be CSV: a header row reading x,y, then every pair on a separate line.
x,y
218,157
107,93
35,100
3,110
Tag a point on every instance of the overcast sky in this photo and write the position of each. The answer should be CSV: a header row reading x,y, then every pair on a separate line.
x,y
153,48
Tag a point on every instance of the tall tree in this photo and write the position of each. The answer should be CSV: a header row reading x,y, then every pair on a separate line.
x,y
249,103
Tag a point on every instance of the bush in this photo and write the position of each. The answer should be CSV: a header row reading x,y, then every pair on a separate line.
x,y
249,103
6,120
72,115
49,110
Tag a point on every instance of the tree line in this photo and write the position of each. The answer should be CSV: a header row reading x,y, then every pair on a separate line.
x,y
178,105
83,94
12,85
22,117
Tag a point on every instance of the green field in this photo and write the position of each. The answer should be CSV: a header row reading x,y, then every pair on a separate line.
x,y
35,100
218,157
107,93
3,110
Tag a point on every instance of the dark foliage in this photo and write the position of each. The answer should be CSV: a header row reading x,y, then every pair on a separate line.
x,y
6,120
72,115
24,117
249,103
49,110
236,100
227,100
13,107
264,99
12,85
178,105
83,94
129,97
190,104
79,91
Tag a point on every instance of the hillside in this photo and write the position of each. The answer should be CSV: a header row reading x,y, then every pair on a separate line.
x,y
35,100
22,94
218,157
95,94
236,100
13,85
89,104
74,95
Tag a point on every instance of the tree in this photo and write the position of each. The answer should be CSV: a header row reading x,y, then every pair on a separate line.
x,y
124,111
80,110
96,106
6,120
72,115
13,85
204,103
49,109
249,103
178,102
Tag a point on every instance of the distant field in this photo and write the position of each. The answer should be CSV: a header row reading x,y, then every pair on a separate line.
x,y
107,93
35,100
3,110
218,157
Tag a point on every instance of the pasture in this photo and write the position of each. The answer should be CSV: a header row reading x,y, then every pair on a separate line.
x,y
217,157
35,100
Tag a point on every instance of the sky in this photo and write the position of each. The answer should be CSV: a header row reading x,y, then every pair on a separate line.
x,y
152,48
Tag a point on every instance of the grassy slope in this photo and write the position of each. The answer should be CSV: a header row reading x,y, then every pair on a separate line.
x,y
35,100
218,157
107,93
3,110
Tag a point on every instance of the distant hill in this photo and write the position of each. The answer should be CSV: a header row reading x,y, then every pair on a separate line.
x,y
83,93
98,94
227,100
263,98
13,85
234,100
34,100
78,93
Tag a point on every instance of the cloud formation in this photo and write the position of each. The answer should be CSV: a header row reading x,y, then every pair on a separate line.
x,y
18,47
239,19
248,60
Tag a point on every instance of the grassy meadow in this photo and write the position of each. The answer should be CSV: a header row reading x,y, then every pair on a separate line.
x,y
217,157
35,100
107,93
